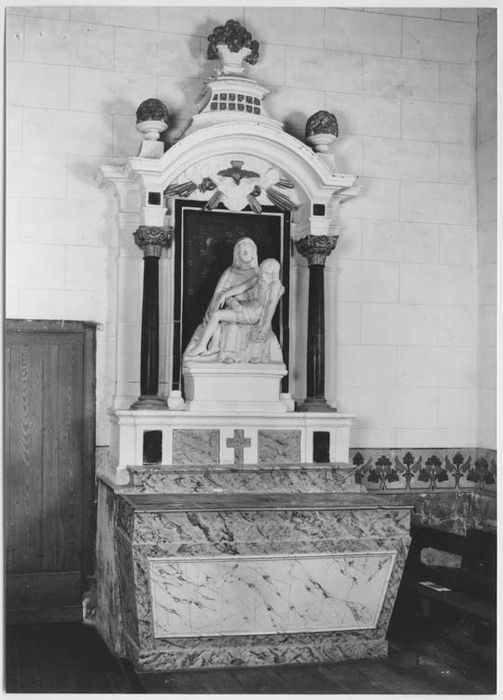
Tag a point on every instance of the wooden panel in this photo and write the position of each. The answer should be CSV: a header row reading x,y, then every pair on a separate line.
x,y
53,434
63,458
49,495
56,613
55,588
24,451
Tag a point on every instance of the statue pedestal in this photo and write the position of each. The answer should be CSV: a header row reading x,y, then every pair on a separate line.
x,y
219,388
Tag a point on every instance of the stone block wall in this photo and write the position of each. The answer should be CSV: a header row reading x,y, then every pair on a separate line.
x,y
402,312
487,227
403,278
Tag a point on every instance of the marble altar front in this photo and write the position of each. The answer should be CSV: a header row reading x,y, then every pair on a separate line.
x,y
243,578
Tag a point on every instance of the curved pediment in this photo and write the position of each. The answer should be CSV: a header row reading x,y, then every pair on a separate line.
x,y
247,142
233,154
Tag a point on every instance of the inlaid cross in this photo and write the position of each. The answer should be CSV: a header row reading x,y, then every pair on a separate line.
x,y
238,442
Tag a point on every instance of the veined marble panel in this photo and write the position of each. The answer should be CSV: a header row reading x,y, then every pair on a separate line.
x,y
127,587
244,518
278,446
196,446
285,478
270,594
109,618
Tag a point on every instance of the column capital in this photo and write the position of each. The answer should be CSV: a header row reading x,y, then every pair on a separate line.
x,y
152,239
316,248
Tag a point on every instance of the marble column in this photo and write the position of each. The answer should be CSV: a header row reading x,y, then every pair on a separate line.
x,y
151,239
316,249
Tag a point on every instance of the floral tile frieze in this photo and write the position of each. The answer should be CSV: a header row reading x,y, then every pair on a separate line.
x,y
424,469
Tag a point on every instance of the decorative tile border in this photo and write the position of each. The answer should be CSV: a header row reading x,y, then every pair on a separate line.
x,y
424,469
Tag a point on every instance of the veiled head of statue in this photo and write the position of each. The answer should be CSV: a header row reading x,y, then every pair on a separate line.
x,y
245,254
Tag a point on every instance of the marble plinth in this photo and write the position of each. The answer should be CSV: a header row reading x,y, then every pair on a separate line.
x,y
282,478
333,560
216,387
189,438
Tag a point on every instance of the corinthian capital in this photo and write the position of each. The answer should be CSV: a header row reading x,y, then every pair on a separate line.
x,y
316,248
152,239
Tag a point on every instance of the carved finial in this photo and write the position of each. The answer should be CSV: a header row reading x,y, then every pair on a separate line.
x,y
321,130
152,110
151,121
233,44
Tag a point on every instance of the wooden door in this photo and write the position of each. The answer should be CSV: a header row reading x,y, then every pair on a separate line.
x,y
49,478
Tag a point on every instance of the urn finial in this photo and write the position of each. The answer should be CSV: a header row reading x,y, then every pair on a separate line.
x,y
151,121
234,44
152,110
321,130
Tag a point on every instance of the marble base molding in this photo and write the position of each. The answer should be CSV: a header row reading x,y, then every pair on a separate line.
x,y
259,650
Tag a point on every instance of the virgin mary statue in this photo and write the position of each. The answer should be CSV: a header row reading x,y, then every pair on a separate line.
x,y
244,267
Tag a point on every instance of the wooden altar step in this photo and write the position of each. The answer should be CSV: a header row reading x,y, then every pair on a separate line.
x,y
249,478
